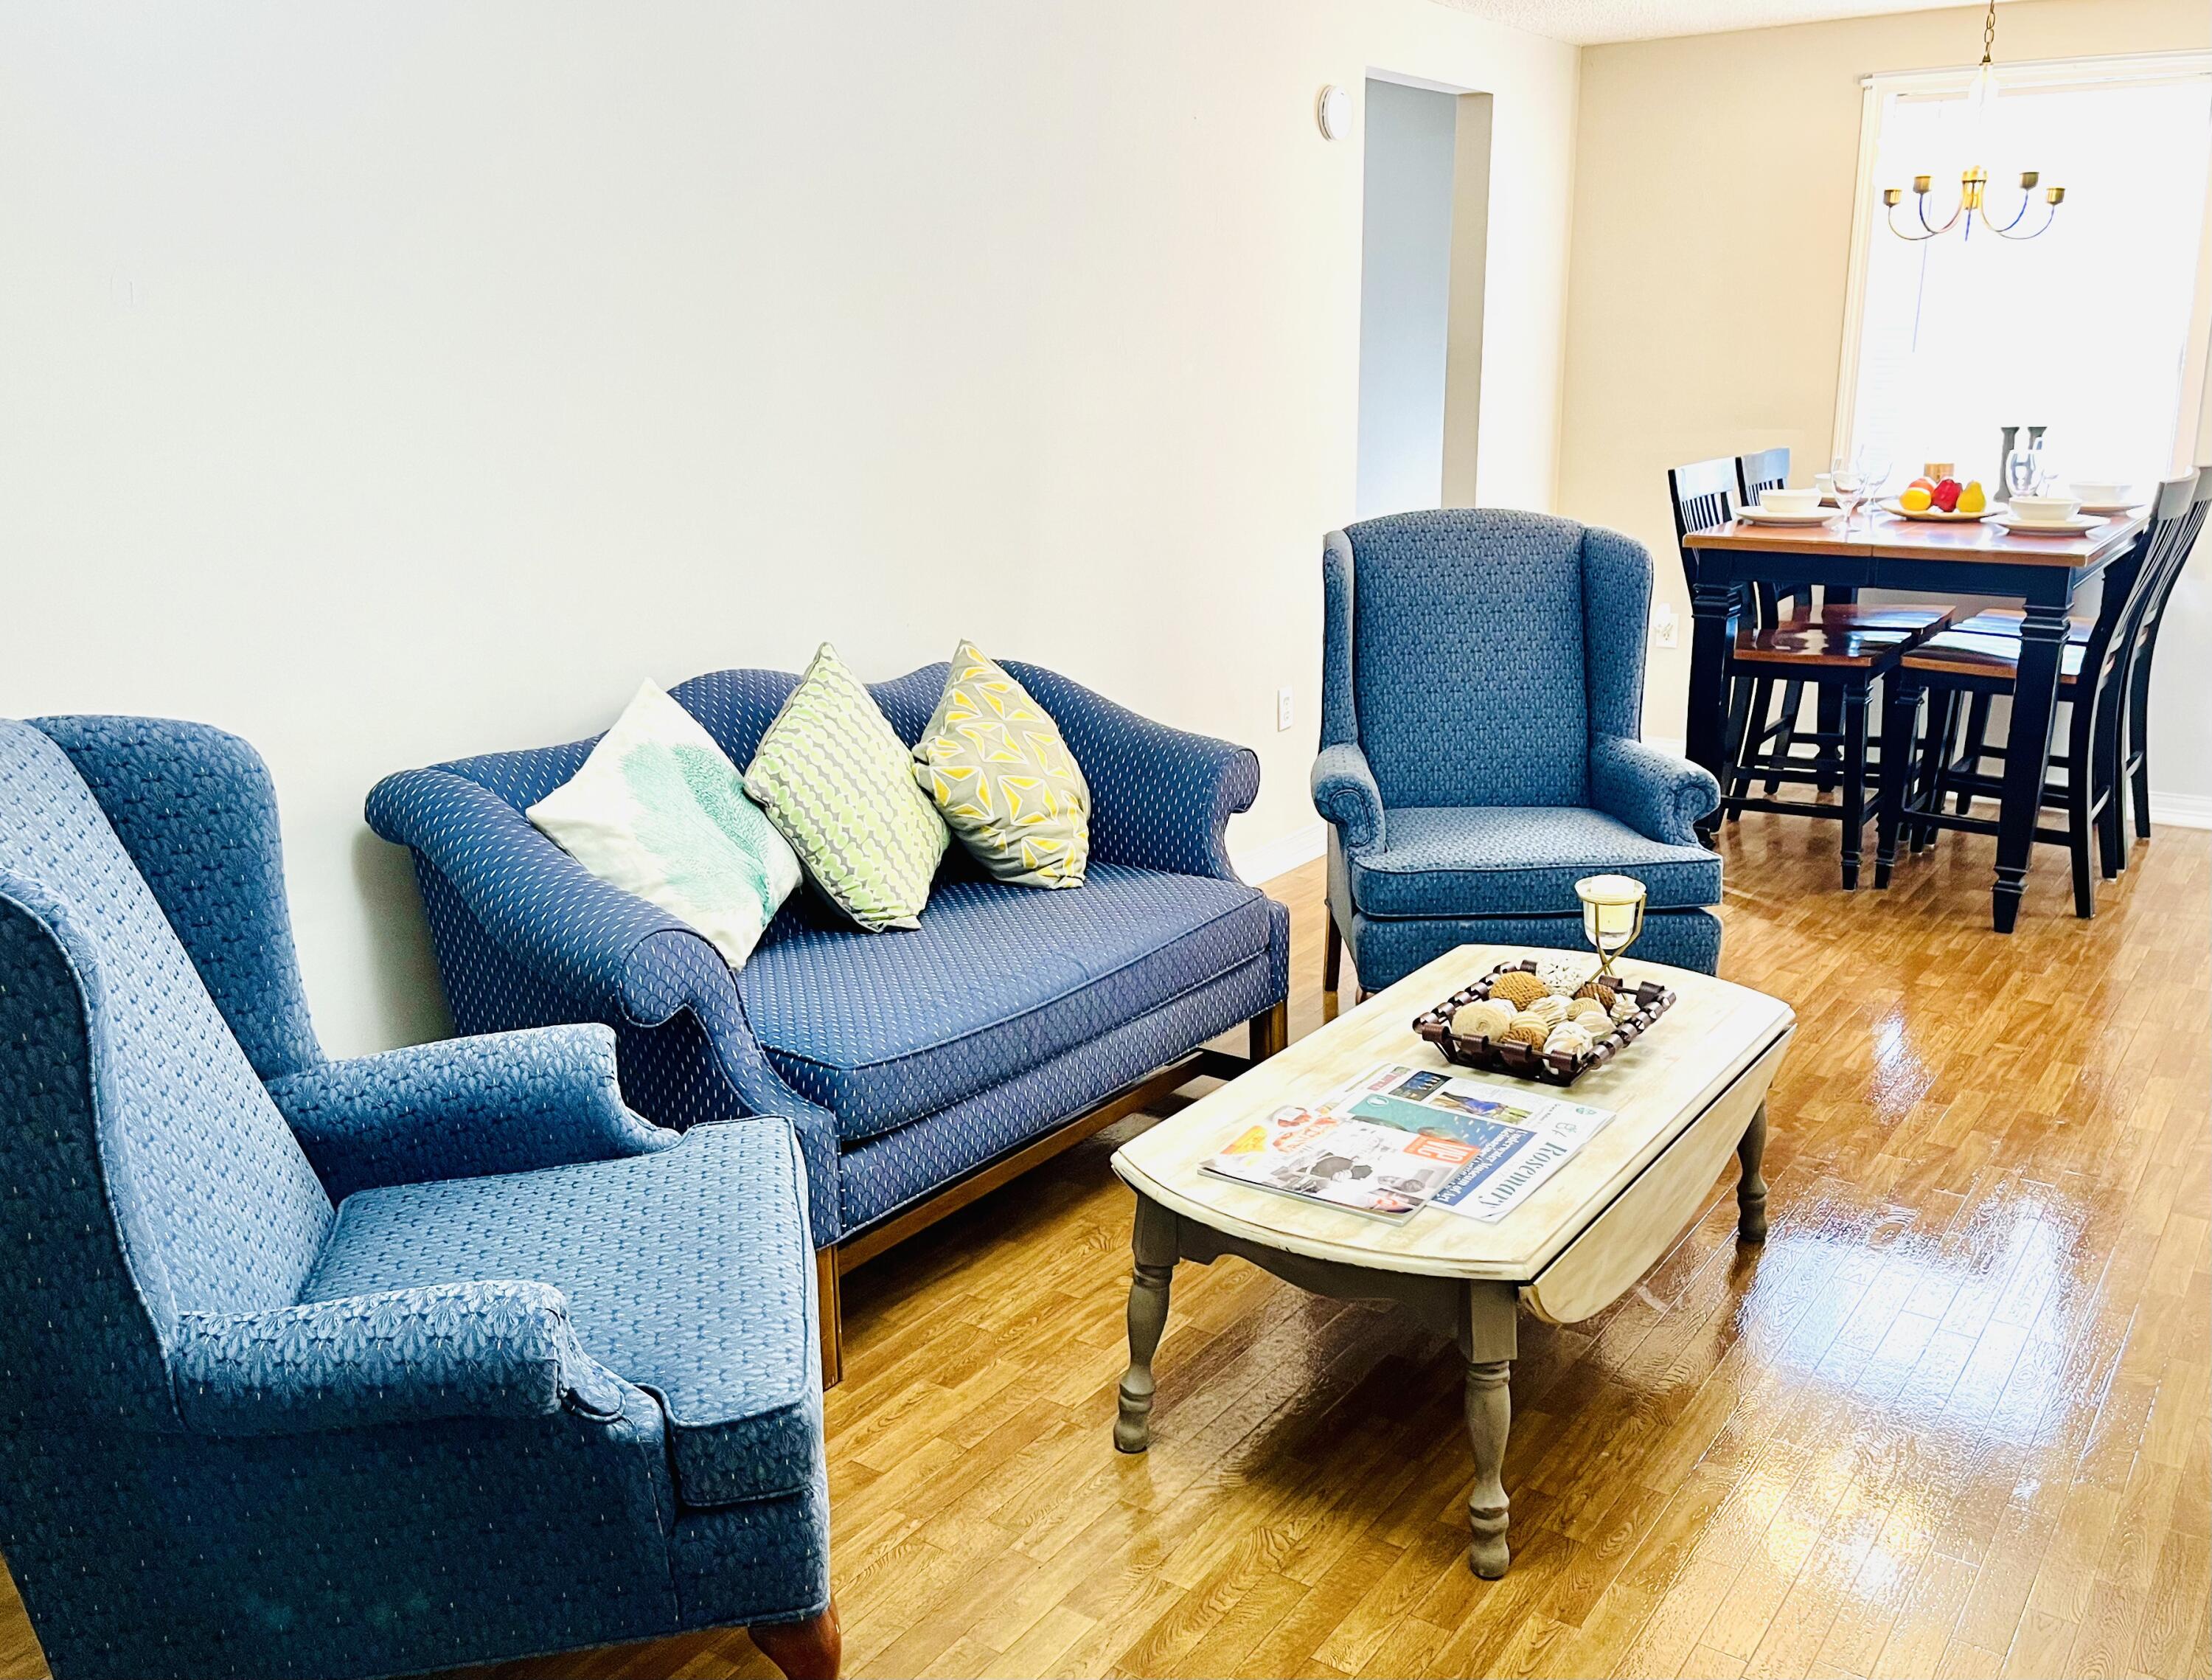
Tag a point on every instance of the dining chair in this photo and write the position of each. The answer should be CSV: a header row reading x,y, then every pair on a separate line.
x,y
1961,772
2094,680
1756,473
1838,650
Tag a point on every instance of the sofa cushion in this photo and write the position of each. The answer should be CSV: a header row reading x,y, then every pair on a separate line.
x,y
997,979
688,1272
1518,860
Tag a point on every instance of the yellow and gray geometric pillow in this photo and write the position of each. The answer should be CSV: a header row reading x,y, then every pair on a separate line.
x,y
993,762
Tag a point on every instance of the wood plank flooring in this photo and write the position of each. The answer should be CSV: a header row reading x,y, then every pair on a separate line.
x,y
1952,1421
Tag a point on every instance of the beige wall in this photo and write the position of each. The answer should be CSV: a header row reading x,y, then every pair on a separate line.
x,y
393,382
1713,188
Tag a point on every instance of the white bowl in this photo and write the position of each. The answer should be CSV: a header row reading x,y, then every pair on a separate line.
x,y
2045,510
1790,502
2101,495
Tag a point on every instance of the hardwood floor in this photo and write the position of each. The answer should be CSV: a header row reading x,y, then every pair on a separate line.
x,y
1952,1420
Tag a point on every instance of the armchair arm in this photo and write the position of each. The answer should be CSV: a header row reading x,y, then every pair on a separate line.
x,y
1160,798
1659,796
1345,794
495,1350
462,1108
605,954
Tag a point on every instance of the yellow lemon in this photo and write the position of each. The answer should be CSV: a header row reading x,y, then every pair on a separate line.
x,y
1916,501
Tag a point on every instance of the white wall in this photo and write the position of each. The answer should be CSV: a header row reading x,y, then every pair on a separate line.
x,y
387,381
1713,196
1405,295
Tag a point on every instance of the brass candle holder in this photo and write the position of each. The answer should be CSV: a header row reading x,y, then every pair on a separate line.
x,y
1612,915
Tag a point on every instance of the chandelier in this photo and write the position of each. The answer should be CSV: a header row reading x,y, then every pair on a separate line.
x,y
1973,183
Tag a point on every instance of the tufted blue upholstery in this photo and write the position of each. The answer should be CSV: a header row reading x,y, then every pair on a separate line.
x,y
945,1031
997,979
1482,700
1510,860
218,1458
1396,946
684,1269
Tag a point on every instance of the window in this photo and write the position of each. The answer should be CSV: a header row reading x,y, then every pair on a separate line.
x,y
2085,330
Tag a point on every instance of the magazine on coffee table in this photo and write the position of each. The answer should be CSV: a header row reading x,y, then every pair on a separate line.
x,y
1518,1138
1389,1171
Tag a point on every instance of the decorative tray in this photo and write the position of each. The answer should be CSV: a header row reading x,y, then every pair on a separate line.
x,y
1522,1060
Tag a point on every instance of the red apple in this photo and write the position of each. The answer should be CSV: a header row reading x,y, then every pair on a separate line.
x,y
1946,496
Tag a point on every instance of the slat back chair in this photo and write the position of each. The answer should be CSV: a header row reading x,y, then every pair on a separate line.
x,y
2134,771
1842,649
1756,473
1955,667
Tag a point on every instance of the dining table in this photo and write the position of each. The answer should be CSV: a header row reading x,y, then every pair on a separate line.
x,y
1877,550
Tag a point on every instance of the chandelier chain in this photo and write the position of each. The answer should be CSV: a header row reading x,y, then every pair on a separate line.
x,y
1989,32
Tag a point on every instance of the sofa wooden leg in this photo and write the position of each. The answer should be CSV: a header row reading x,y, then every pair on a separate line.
x,y
1271,1033
809,1650
833,1339
1332,966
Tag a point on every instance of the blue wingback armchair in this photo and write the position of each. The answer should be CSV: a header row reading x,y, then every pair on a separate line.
x,y
1482,699
367,1367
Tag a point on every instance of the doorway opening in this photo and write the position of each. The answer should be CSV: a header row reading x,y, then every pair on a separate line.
x,y
1423,243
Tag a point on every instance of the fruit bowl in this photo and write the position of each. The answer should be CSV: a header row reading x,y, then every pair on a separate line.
x,y
1937,515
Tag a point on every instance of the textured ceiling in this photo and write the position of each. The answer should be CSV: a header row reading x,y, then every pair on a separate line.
x,y
1587,22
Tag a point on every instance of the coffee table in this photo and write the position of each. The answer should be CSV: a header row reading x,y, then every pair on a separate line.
x,y
1688,1094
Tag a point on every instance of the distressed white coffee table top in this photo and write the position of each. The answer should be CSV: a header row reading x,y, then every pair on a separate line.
x,y
1656,1086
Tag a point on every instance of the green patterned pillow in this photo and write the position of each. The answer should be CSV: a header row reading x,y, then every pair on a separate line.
x,y
994,761
834,776
659,810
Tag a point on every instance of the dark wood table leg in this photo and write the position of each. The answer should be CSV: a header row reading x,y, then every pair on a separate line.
x,y
1713,610
1900,712
2028,752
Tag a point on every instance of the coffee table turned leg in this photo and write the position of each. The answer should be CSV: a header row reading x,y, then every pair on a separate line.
x,y
1487,1341
1750,1188
1153,1241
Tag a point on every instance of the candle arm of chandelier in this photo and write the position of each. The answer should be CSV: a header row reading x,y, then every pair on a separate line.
x,y
2052,198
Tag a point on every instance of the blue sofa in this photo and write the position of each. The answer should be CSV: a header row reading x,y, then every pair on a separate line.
x,y
910,1062
307,1367
1482,705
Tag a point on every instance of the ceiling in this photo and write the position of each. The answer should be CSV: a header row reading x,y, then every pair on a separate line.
x,y
1587,22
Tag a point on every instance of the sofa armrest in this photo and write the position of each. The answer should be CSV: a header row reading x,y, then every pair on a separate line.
x,y
1659,796
462,1108
1345,794
607,954
491,1349
1160,798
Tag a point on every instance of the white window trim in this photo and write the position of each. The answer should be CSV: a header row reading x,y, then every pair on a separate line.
x,y
1876,91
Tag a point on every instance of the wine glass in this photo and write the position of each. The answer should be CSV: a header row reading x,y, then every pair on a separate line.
x,y
2021,467
1872,467
1844,472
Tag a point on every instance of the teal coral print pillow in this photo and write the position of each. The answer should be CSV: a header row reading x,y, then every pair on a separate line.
x,y
834,776
660,810
994,763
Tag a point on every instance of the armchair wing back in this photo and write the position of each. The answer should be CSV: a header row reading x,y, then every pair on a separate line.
x,y
544,1377
1482,706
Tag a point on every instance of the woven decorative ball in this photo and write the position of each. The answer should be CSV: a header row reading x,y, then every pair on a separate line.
x,y
1567,1039
1527,1030
1518,988
1623,1007
1598,991
1485,1019
1561,975
1591,1019
1549,1010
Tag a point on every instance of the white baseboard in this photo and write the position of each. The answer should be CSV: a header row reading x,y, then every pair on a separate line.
x,y
2181,809
1261,863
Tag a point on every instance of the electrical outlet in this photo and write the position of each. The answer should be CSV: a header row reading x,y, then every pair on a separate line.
x,y
1283,708
1665,626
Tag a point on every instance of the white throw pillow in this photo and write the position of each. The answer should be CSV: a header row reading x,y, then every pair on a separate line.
x,y
660,810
